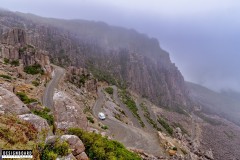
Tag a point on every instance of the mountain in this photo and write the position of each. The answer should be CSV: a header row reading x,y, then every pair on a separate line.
x,y
120,56
57,75
225,104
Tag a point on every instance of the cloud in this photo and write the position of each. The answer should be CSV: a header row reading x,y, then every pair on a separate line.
x,y
202,36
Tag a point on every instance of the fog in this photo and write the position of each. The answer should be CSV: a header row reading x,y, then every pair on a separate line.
x,y
202,37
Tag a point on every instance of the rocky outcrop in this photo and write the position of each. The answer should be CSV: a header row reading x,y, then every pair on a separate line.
x,y
13,37
10,103
14,47
75,145
38,122
68,113
81,78
133,59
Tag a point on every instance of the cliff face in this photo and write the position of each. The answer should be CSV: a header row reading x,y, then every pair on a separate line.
x,y
123,55
14,47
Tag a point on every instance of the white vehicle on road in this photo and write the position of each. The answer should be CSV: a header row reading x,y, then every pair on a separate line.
x,y
101,116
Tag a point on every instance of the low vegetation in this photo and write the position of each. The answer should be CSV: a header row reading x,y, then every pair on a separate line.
x,y
23,97
101,148
34,69
90,119
17,134
52,150
102,75
104,127
109,90
165,125
130,103
6,60
36,83
45,113
5,76
148,117
15,63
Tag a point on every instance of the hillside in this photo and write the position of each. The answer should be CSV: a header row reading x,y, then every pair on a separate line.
x,y
57,75
120,56
222,104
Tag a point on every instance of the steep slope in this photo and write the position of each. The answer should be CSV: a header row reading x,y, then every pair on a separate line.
x,y
215,103
117,55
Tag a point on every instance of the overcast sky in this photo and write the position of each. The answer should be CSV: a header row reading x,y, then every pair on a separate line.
x,y
202,36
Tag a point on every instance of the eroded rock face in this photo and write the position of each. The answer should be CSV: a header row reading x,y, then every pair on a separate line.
x,y
14,37
13,46
81,78
38,122
67,113
10,103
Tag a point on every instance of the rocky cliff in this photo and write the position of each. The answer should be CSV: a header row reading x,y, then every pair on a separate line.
x,y
14,48
121,56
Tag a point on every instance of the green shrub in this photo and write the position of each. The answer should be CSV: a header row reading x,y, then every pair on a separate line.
x,y
102,75
147,115
52,150
34,69
5,76
23,49
25,98
101,148
15,62
61,148
6,61
45,113
35,83
90,119
174,148
104,127
165,125
109,90
130,103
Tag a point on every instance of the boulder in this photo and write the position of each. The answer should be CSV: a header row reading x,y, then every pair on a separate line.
x,y
209,154
82,156
75,144
38,122
67,112
68,157
10,103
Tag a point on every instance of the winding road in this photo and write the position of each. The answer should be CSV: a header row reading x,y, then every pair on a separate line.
x,y
52,84
129,135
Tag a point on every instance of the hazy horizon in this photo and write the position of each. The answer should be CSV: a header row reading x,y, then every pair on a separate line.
x,y
202,38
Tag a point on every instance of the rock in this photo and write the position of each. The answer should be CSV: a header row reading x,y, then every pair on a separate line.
x,y
10,103
82,156
50,139
178,133
68,157
38,122
14,47
76,75
14,36
74,143
67,112
209,154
